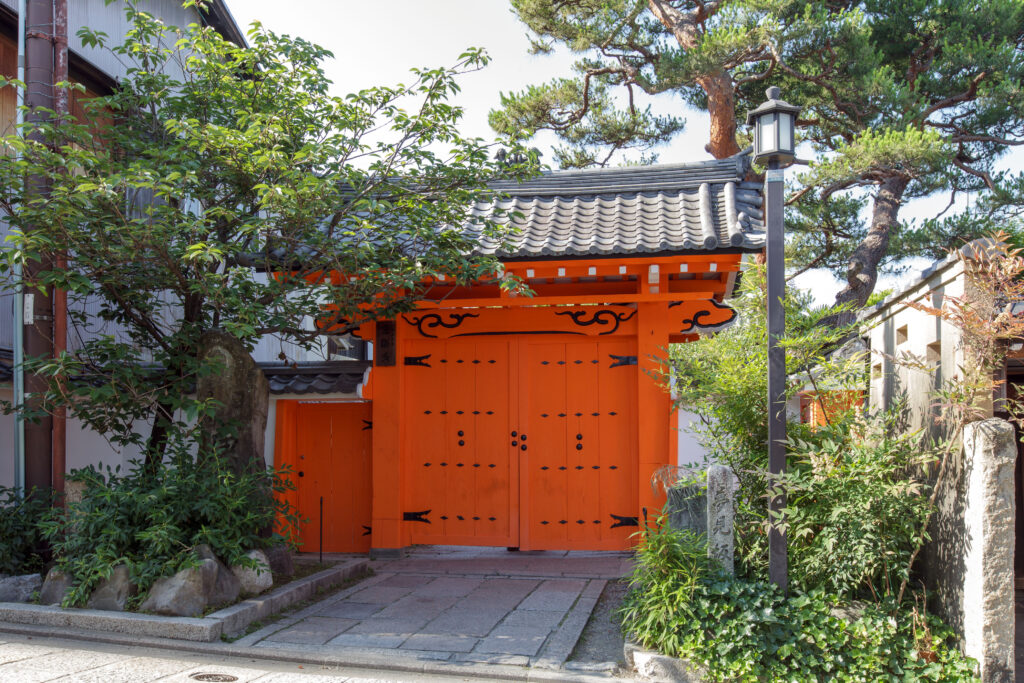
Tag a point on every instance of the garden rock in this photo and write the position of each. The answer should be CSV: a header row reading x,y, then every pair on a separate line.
x,y
19,588
184,594
55,587
254,581
279,557
113,592
225,587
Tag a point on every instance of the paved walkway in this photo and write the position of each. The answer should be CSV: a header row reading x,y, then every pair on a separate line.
x,y
446,604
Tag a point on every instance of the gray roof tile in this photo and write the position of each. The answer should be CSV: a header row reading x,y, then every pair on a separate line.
x,y
643,209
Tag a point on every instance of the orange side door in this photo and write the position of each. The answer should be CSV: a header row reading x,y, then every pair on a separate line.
x,y
332,473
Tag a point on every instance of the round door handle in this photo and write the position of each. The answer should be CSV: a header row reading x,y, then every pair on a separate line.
x,y
461,442
523,447
515,434
462,433
302,474
522,437
515,443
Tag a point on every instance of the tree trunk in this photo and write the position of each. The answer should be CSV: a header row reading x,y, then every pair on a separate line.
x,y
722,109
862,271
157,444
717,85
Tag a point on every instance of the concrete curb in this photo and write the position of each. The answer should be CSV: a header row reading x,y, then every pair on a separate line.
x,y
206,629
371,661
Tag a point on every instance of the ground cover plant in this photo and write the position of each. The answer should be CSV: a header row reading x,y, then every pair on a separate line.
x,y
746,630
152,520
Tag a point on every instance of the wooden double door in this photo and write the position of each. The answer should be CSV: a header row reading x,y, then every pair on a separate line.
x,y
520,441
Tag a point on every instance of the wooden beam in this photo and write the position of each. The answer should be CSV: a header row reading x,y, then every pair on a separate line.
x,y
710,290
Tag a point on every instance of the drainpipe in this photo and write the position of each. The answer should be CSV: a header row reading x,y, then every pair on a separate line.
x,y
19,298
38,330
60,296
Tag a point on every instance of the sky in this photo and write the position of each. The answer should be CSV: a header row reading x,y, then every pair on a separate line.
x,y
376,43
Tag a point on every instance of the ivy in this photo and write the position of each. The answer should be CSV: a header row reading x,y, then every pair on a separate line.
x,y
739,630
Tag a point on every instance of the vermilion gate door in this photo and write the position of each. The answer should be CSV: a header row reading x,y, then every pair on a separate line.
x,y
521,442
579,465
332,461
461,481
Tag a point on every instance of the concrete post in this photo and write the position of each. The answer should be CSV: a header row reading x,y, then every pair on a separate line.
x,y
721,498
990,453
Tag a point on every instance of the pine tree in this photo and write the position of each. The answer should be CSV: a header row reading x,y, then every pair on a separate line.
x,y
902,99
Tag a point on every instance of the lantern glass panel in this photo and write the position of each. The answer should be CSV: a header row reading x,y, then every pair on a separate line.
x,y
766,133
785,132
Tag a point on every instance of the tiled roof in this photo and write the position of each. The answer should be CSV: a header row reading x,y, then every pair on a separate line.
x,y
337,377
703,206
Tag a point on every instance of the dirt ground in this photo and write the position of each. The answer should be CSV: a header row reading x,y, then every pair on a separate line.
x,y
602,640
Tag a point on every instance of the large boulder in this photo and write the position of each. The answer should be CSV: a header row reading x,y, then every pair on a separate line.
x,y
113,592
55,587
254,580
241,395
184,594
226,587
19,588
279,557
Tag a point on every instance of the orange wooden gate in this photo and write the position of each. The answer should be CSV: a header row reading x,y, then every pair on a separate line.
x,y
328,445
515,441
461,478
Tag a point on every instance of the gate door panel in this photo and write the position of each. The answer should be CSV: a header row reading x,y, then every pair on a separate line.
x,y
578,415
462,484
333,462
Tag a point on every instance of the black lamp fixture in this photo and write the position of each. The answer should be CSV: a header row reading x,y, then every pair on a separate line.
x,y
774,123
774,144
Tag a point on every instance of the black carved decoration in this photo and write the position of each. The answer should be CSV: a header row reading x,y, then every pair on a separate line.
x,y
369,530
605,316
695,321
418,360
618,361
420,516
367,424
432,321
621,520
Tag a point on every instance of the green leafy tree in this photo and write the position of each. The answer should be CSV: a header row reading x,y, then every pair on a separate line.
x,y
901,100
210,166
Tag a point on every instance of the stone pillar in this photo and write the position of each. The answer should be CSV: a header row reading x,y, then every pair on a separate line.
x,y
721,501
990,453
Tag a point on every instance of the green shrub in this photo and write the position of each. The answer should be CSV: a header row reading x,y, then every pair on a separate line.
x,y
747,631
855,509
152,522
21,537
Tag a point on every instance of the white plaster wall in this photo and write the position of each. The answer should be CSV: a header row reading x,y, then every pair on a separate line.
x,y
690,451
899,363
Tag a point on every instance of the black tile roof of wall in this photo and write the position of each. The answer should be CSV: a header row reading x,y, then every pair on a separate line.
x,y
702,206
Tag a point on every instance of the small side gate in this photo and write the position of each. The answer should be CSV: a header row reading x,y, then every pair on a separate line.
x,y
329,448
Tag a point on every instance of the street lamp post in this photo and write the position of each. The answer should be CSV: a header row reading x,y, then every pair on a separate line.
x,y
774,123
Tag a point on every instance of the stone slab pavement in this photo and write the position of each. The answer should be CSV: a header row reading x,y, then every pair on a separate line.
x,y
452,604
439,613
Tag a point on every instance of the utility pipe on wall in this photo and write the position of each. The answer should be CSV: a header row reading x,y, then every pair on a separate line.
x,y
60,296
19,297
